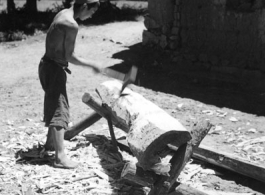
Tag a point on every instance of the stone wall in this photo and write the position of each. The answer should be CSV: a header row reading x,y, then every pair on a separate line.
x,y
221,35
160,23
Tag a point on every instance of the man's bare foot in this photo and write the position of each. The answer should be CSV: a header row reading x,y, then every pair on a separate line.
x,y
65,164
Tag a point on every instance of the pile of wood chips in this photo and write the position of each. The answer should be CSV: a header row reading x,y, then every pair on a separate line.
x,y
25,169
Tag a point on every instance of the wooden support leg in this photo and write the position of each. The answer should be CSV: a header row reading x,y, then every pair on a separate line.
x,y
112,134
82,125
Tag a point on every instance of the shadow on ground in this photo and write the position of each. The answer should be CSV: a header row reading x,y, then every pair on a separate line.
x,y
156,71
33,156
112,163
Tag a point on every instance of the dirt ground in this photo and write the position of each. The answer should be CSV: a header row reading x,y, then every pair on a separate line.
x,y
184,92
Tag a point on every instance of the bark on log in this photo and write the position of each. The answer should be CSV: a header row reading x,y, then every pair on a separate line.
x,y
82,125
230,162
150,127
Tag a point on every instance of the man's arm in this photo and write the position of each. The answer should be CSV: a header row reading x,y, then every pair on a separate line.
x,y
69,46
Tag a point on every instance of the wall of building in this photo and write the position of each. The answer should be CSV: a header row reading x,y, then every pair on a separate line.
x,y
220,35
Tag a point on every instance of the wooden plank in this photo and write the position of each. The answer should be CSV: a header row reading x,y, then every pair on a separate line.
x,y
230,162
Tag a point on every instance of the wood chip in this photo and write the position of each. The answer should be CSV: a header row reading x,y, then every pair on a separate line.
x,y
101,174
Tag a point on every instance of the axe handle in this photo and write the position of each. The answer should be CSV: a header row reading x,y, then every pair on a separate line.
x,y
114,74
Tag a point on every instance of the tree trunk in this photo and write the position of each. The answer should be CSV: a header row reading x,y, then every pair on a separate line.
x,y
31,6
10,6
67,3
151,129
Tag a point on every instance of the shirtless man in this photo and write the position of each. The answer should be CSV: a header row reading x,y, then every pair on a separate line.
x,y
60,45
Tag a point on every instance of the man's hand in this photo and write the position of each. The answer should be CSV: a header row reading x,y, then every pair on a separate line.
x,y
97,70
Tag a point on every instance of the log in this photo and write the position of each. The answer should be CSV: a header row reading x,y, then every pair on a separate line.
x,y
150,127
230,162
82,125
135,175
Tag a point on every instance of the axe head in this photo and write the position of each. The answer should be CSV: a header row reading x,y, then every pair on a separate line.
x,y
129,78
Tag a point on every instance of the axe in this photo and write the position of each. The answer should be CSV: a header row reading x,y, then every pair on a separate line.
x,y
126,78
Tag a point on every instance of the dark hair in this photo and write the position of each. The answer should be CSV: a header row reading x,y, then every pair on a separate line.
x,y
92,5
89,5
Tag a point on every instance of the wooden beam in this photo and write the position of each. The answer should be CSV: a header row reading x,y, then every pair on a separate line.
x,y
105,111
82,125
230,162
151,129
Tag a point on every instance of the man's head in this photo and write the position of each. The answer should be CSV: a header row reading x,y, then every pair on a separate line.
x,y
86,8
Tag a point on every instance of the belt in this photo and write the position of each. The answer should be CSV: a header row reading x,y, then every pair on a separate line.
x,y
61,63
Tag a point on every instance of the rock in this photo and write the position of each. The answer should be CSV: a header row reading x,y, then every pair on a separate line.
x,y
225,63
163,41
252,130
214,60
149,38
191,57
166,29
175,31
150,23
203,57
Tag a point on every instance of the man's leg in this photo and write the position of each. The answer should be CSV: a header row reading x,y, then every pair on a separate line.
x,y
61,160
49,141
